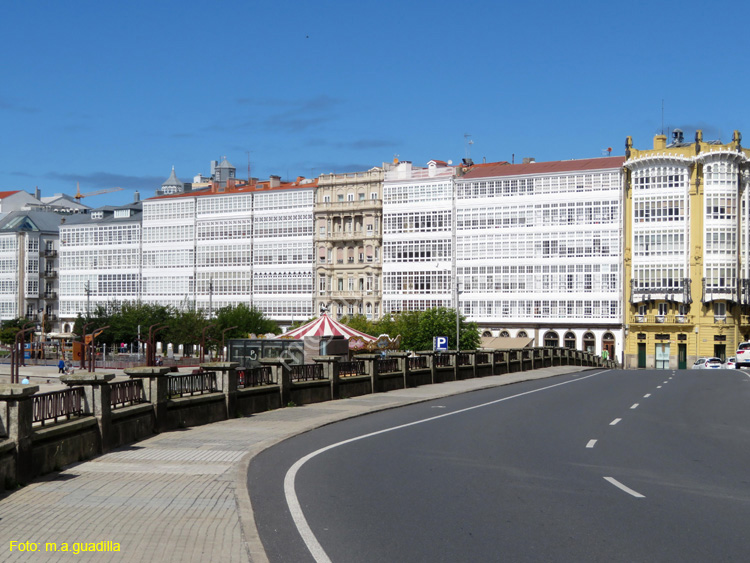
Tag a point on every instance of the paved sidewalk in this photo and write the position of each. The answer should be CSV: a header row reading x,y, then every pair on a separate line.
x,y
181,496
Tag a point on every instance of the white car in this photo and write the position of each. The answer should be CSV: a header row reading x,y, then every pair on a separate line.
x,y
743,355
699,363
712,363
731,363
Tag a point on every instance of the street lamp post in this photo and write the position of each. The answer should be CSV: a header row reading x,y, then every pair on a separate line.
x,y
223,332
458,318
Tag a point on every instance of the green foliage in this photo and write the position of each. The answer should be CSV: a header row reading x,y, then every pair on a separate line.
x,y
417,328
184,326
248,320
10,328
362,324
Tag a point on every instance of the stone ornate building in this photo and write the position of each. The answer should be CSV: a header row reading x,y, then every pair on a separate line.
x,y
687,250
348,239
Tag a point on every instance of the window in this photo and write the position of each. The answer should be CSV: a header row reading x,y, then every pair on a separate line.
x,y
551,340
570,340
350,197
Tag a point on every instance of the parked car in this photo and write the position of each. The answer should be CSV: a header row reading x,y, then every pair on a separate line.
x,y
699,363
731,363
743,355
713,363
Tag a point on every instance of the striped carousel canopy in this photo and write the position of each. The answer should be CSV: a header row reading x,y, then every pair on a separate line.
x,y
326,326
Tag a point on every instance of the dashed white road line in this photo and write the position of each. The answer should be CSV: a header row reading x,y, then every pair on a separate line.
x,y
622,487
658,386
615,421
591,444
635,406
647,395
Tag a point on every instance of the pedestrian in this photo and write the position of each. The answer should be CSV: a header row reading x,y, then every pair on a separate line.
x,y
61,366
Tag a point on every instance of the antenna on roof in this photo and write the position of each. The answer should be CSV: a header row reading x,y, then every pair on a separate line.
x,y
662,116
468,142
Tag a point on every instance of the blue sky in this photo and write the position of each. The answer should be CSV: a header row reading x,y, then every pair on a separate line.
x,y
116,93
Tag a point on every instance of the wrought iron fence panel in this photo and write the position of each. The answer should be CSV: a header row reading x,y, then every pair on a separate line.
x,y
255,377
419,362
388,365
125,393
57,404
307,372
192,384
463,359
442,360
483,358
350,369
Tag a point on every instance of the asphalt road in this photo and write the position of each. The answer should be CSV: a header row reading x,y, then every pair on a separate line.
x,y
596,466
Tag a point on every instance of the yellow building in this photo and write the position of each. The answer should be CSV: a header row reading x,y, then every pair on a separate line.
x,y
686,251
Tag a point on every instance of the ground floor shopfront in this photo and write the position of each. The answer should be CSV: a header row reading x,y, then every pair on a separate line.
x,y
664,346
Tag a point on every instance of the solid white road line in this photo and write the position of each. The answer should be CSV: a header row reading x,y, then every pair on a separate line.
x,y
591,444
615,421
622,487
635,406
316,550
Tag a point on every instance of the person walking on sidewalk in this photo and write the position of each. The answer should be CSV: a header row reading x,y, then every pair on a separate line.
x,y
61,366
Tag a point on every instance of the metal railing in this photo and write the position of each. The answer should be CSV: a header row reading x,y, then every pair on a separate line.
x,y
442,360
255,377
420,362
57,404
126,393
387,365
463,359
192,384
482,358
307,372
351,369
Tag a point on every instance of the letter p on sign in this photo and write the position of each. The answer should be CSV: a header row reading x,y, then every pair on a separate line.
x,y
439,343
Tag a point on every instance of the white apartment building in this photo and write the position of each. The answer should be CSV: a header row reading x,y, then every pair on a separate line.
x,y
100,260
283,250
28,265
417,237
539,251
220,247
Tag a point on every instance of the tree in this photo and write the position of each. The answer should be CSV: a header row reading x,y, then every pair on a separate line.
x,y
417,328
248,320
11,328
362,324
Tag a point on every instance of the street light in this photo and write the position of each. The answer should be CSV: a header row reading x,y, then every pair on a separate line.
x,y
223,332
458,318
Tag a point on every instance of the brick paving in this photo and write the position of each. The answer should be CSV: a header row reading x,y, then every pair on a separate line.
x,y
181,496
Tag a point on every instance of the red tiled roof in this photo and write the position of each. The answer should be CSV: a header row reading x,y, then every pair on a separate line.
x,y
504,169
3,195
240,189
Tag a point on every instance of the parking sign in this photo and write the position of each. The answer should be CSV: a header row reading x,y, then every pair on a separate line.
x,y
439,343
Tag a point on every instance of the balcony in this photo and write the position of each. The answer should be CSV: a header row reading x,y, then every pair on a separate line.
x,y
662,319
679,294
353,207
50,253
50,295
50,274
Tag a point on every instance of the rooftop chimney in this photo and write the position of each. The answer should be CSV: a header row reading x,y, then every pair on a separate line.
x,y
660,142
136,197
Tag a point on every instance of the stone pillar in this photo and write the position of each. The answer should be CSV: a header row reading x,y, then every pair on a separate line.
x,y
402,367
98,400
157,391
371,369
18,426
282,373
331,372
227,381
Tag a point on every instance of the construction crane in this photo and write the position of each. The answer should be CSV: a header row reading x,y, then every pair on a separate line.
x,y
79,195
